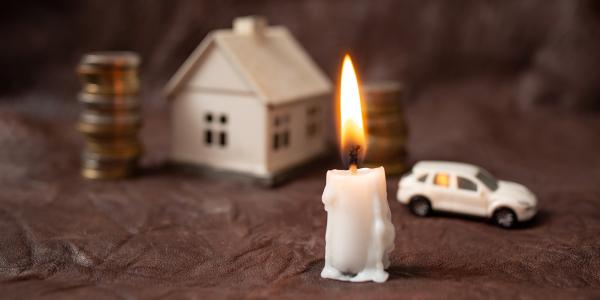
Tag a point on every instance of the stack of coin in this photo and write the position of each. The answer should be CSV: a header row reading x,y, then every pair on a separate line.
x,y
386,126
110,119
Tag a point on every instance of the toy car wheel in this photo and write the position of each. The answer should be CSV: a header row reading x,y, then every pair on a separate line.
x,y
420,206
505,218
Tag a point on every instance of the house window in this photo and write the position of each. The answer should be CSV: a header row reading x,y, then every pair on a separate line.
x,y
276,141
208,137
311,129
285,138
313,117
281,140
223,138
281,132
215,132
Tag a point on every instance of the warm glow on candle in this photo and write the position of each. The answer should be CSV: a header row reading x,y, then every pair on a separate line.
x,y
351,116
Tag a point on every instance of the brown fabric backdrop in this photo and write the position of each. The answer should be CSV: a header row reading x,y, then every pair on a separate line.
x,y
551,46
482,76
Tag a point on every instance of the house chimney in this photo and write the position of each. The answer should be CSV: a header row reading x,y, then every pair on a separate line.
x,y
249,25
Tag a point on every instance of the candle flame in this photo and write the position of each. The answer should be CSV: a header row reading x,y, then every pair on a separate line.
x,y
352,130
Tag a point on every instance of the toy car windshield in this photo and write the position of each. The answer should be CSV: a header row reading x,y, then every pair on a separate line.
x,y
487,179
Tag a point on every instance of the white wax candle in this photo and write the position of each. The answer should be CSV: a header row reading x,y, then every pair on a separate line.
x,y
360,234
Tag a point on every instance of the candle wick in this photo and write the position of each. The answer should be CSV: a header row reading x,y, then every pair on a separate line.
x,y
354,158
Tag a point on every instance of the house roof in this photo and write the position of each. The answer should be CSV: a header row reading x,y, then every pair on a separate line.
x,y
268,58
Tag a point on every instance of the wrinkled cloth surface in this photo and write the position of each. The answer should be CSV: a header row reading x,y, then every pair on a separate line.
x,y
167,234
508,85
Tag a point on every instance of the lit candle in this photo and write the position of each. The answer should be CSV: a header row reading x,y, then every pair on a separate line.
x,y
360,234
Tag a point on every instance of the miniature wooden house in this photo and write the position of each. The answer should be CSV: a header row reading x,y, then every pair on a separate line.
x,y
248,100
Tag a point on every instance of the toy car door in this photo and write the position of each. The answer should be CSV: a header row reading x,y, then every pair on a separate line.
x,y
441,192
468,198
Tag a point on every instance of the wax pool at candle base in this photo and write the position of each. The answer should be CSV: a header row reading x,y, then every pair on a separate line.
x,y
359,234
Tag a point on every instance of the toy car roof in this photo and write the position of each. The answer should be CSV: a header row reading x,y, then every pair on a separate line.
x,y
453,167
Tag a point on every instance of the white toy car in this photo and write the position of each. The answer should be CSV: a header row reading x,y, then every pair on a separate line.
x,y
465,189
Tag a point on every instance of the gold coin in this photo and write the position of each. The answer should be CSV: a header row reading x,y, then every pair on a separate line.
x,y
372,112
109,130
112,147
108,80
111,153
110,157
116,142
382,93
393,127
107,174
113,71
114,88
107,166
385,150
116,117
111,58
389,133
385,157
109,102
111,119
89,74
388,142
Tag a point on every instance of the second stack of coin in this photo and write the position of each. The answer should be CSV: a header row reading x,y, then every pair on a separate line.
x,y
110,119
386,126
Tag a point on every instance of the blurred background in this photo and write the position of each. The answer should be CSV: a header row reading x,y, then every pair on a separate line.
x,y
549,48
509,85
487,81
